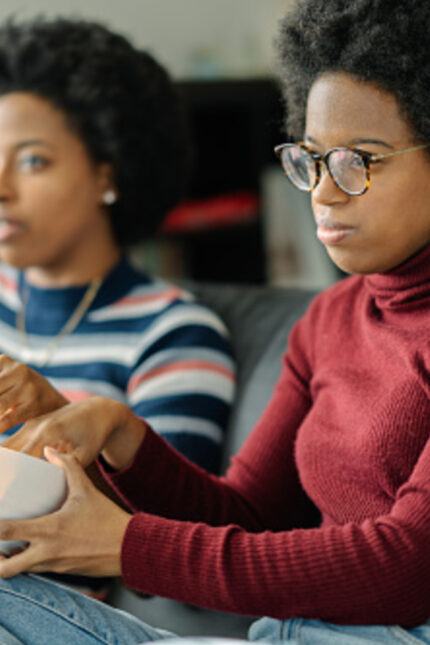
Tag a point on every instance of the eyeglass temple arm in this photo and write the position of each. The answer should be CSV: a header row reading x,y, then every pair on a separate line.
x,y
398,152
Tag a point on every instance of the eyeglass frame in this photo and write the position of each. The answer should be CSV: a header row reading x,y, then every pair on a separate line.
x,y
367,158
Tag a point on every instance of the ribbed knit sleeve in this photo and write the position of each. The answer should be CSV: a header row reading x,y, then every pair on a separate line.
x,y
375,572
261,488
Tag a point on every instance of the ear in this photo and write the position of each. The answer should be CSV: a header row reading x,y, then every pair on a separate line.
x,y
106,184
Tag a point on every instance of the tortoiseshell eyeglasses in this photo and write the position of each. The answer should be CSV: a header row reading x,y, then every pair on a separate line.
x,y
349,167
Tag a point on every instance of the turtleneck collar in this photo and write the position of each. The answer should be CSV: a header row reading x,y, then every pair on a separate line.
x,y
406,284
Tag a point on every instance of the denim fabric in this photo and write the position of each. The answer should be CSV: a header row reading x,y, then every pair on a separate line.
x,y
34,611
299,631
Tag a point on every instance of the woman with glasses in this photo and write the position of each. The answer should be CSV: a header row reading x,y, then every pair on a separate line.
x,y
347,427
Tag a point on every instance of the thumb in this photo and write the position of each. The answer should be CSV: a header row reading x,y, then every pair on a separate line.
x,y
74,472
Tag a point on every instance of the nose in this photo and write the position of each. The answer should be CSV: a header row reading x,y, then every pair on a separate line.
x,y
327,192
7,190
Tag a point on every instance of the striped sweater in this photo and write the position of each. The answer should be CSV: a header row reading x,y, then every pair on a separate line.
x,y
143,342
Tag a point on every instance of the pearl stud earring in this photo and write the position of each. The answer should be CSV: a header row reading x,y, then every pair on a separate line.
x,y
109,197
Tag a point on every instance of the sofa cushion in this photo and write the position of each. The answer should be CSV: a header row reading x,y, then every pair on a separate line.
x,y
259,320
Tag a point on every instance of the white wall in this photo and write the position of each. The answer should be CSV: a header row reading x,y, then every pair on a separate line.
x,y
191,37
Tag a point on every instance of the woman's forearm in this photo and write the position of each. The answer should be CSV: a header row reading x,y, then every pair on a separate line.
x,y
124,441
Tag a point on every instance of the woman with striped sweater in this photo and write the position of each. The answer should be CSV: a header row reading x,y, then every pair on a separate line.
x,y
93,152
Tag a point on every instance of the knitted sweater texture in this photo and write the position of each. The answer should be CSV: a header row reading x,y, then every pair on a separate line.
x,y
143,342
348,428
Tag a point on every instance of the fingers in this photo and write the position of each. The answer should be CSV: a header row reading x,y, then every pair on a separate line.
x,y
34,435
12,374
10,409
13,531
10,412
24,393
67,430
25,440
67,462
21,441
77,479
25,561
84,536
18,530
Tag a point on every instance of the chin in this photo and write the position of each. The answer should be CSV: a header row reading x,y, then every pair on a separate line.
x,y
359,264
364,264
15,260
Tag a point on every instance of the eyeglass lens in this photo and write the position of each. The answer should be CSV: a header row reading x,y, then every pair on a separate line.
x,y
299,166
346,167
348,170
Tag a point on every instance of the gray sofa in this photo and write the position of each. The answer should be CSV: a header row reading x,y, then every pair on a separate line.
x,y
259,319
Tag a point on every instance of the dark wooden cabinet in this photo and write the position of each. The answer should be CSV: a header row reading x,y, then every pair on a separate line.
x,y
235,125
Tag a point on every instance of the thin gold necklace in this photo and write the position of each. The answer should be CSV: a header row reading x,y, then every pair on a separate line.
x,y
68,327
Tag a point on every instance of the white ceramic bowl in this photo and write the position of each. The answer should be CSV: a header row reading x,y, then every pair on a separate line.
x,y
29,487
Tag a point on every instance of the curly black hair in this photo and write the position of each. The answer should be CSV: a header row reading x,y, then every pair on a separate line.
x,y
386,42
119,100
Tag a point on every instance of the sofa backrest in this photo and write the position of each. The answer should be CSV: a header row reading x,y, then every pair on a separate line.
x,y
259,319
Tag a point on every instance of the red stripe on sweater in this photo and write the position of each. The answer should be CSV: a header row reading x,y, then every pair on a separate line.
x,y
180,366
169,294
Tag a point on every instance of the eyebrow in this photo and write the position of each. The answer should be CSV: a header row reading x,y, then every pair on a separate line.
x,y
358,141
33,142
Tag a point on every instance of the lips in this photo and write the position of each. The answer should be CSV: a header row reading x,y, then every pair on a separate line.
x,y
330,232
9,229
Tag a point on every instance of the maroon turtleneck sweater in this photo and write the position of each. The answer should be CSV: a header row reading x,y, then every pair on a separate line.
x,y
349,423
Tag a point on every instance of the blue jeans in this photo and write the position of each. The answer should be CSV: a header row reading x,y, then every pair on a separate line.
x,y
35,611
301,631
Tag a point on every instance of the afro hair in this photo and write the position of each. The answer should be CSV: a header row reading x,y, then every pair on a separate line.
x,y
386,42
118,99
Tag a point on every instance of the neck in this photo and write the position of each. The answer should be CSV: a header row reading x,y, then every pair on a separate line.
x,y
96,266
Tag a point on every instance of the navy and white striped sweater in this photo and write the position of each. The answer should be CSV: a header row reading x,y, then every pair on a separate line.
x,y
144,342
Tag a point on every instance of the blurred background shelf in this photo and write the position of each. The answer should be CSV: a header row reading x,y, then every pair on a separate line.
x,y
241,221
219,230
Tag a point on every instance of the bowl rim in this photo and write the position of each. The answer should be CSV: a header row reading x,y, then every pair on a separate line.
x,y
32,458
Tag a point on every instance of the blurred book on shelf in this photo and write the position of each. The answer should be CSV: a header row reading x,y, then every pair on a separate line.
x,y
213,212
234,125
